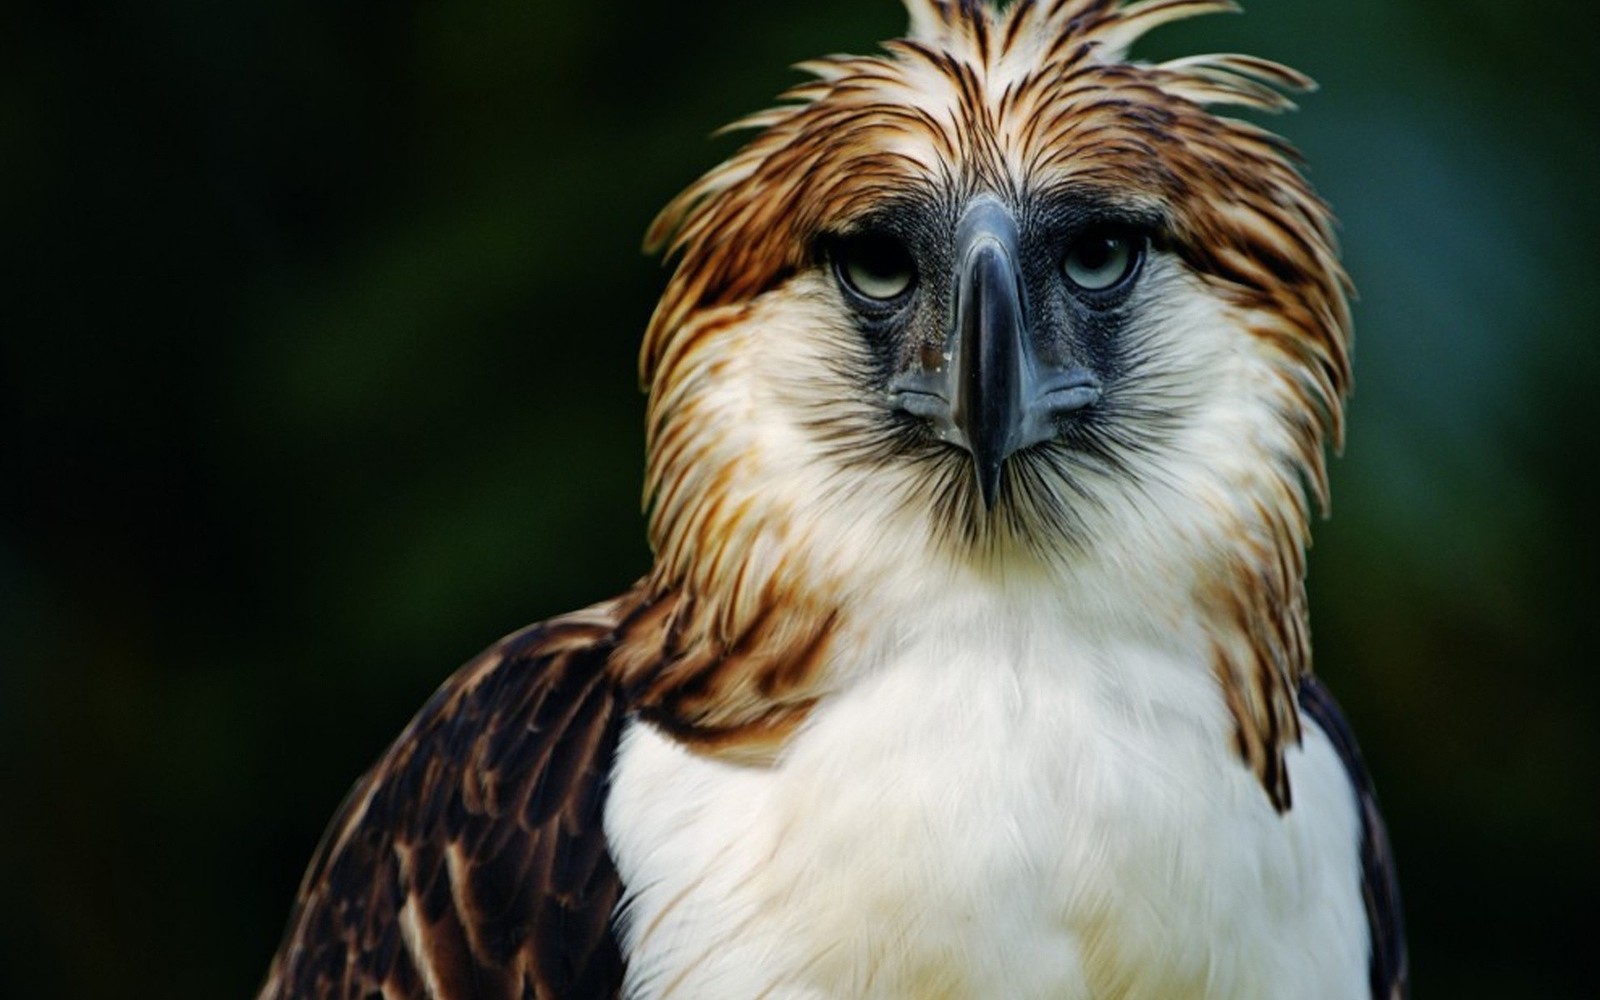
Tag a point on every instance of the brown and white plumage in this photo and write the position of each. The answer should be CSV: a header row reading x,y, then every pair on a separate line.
x,y
931,691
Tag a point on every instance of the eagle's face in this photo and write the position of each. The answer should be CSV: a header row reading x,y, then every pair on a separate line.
x,y
1007,343
998,299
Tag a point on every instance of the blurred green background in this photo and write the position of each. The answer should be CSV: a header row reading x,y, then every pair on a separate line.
x,y
317,375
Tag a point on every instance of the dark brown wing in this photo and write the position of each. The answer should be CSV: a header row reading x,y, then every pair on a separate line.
x,y
1389,968
471,861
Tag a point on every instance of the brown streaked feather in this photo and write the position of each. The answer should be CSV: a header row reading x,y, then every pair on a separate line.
x,y
735,695
470,862
1263,649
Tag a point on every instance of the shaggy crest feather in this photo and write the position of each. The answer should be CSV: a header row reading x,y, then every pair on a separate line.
x,y
1074,51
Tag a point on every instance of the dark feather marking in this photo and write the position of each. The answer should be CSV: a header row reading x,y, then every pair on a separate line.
x,y
1018,18
980,24
485,820
505,770
1389,966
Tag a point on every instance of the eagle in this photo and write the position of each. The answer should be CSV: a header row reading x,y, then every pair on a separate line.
x,y
988,406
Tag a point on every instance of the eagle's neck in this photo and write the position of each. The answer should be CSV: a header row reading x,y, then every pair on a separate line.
x,y
738,686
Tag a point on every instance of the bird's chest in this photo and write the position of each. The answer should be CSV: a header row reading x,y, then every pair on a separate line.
x,y
960,824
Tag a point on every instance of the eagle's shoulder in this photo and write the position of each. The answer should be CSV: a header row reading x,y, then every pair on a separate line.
x,y
471,860
1388,965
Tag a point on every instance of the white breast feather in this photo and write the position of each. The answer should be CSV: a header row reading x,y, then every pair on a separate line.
x,y
1001,810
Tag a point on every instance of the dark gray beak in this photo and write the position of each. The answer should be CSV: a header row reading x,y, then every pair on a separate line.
x,y
992,396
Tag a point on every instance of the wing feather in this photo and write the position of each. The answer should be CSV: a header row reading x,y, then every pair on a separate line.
x,y
471,862
1389,968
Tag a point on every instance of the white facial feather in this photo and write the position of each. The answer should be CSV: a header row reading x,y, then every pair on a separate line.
x,y
784,380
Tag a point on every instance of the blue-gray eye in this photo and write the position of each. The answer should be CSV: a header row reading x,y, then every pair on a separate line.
x,y
1102,259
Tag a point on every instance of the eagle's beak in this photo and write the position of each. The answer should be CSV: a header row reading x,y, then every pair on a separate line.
x,y
993,396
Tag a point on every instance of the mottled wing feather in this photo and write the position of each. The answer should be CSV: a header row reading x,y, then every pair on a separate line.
x,y
1389,966
471,861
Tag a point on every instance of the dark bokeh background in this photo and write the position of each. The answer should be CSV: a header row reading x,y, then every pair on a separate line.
x,y
317,375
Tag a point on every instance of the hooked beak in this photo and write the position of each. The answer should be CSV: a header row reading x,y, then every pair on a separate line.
x,y
993,396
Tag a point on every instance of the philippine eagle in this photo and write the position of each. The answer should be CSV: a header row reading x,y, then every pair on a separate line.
x,y
988,404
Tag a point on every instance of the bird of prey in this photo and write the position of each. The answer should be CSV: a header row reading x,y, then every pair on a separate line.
x,y
988,404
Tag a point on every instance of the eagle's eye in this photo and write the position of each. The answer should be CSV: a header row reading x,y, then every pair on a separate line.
x,y
1103,260
874,267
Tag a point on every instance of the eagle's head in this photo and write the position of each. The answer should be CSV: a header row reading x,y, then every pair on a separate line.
x,y
1000,304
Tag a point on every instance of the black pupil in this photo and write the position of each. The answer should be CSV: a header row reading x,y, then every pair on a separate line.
x,y
1096,252
880,258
